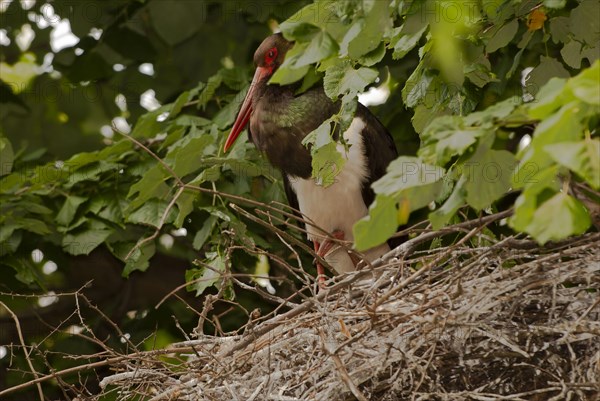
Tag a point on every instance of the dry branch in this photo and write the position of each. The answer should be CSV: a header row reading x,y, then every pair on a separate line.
x,y
494,322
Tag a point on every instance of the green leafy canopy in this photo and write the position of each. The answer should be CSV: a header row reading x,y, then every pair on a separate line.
x,y
456,91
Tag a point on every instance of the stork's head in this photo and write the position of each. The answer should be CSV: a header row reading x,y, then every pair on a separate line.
x,y
267,58
271,52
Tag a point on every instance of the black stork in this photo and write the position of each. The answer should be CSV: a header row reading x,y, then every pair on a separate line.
x,y
279,121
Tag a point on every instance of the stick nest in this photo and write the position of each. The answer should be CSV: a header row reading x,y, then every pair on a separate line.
x,y
506,321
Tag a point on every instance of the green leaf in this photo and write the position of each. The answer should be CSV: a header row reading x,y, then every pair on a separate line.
x,y
85,241
445,138
479,73
34,155
82,159
240,232
209,90
185,204
585,24
147,126
525,207
150,214
347,111
379,225
562,126
409,182
68,210
343,79
175,134
446,53
494,113
537,182
211,174
318,14
226,116
200,279
376,22
321,135
548,68
558,218
7,156
555,3
411,179
9,240
493,9
586,86
425,115
96,204
7,92
592,53
287,75
310,79
112,211
320,47
548,99
488,175
350,35
298,31
581,157
327,162
374,56
204,233
33,225
35,208
235,78
6,231
179,103
91,172
151,185
571,53
503,36
404,43
185,156
139,259
441,216
192,121
261,273
417,87
26,271
289,72
522,45
560,29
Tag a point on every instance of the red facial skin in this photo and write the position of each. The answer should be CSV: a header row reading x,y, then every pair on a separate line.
x,y
245,113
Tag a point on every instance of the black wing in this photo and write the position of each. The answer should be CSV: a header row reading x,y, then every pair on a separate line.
x,y
379,148
290,194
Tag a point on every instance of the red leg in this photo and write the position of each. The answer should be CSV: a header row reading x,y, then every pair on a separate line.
x,y
327,244
322,249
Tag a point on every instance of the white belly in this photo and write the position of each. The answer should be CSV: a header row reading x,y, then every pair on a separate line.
x,y
340,205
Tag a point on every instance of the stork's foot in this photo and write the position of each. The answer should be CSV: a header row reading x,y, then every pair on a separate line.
x,y
322,249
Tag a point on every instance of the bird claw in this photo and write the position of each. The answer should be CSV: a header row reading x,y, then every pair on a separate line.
x,y
322,249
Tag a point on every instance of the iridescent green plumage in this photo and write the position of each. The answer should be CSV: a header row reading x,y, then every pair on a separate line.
x,y
296,110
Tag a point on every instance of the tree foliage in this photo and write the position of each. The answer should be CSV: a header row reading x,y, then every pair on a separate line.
x,y
466,81
466,96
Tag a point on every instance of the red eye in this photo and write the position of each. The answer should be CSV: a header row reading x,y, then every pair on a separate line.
x,y
271,55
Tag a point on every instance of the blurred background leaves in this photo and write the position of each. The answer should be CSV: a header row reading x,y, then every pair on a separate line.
x,y
460,85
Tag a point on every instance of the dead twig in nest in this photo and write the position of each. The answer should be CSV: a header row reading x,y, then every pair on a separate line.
x,y
495,322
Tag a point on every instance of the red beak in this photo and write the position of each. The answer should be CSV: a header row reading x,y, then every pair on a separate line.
x,y
246,111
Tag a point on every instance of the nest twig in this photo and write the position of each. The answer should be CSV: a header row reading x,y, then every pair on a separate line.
x,y
500,321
